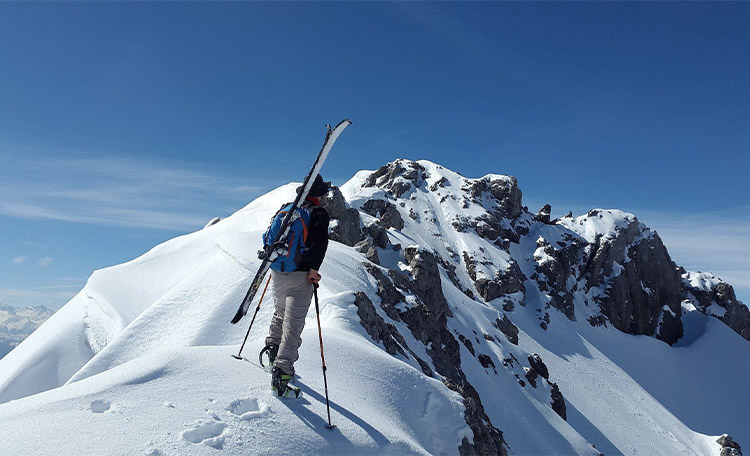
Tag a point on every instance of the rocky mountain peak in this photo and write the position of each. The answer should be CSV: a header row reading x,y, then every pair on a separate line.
x,y
398,177
426,229
490,246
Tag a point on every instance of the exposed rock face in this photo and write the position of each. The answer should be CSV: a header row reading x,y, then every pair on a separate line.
x,y
450,270
334,203
426,283
398,177
544,213
728,446
427,320
347,230
388,293
642,283
441,183
536,363
504,282
488,440
531,376
383,332
503,190
390,217
555,265
486,362
536,368
508,328
378,234
608,260
712,296
558,402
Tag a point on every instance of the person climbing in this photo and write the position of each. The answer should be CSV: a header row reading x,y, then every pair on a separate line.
x,y
293,276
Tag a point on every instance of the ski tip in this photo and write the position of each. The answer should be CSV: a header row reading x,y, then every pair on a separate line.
x,y
237,318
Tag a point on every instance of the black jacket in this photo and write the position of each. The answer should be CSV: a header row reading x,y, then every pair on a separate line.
x,y
317,238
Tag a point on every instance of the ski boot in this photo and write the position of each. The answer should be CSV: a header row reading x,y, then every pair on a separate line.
x,y
280,384
272,350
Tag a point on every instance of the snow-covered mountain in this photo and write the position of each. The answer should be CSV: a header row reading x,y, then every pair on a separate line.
x,y
16,323
454,321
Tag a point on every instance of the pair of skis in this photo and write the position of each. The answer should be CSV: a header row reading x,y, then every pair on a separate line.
x,y
269,257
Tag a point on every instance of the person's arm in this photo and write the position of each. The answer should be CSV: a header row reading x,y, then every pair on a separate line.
x,y
318,242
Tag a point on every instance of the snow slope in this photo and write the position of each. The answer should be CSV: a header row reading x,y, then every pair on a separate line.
x,y
195,400
138,362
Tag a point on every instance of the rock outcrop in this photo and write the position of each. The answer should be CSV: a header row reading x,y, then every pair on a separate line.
x,y
728,446
491,248
503,189
508,328
427,321
389,216
640,283
713,296
505,282
558,402
544,213
346,228
398,177
555,265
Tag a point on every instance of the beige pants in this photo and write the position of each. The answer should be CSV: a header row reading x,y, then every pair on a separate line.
x,y
293,293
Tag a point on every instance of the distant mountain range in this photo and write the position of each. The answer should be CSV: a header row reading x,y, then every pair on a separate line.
x,y
16,323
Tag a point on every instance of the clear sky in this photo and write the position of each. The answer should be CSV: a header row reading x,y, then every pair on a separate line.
x,y
125,124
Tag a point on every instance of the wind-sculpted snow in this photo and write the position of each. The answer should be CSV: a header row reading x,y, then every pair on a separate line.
x,y
454,321
196,400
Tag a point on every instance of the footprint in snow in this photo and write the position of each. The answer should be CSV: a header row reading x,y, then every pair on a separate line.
x,y
247,409
100,406
206,433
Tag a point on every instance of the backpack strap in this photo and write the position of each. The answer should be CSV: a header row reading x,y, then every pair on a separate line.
x,y
304,225
304,230
302,219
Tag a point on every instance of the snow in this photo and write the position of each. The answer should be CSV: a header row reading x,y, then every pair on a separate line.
x,y
197,399
604,223
704,281
139,361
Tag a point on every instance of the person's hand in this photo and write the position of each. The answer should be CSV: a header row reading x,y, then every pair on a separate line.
x,y
313,276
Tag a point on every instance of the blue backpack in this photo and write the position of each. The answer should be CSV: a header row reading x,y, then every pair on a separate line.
x,y
294,245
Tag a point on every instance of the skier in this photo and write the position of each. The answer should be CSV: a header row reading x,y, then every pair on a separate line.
x,y
293,277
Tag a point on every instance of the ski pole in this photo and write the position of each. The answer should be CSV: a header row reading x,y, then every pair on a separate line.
x,y
322,356
239,355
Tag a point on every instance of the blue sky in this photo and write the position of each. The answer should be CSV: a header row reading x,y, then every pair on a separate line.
x,y
125,124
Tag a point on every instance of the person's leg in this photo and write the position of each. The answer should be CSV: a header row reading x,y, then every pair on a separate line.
x,y
280,284
298,296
